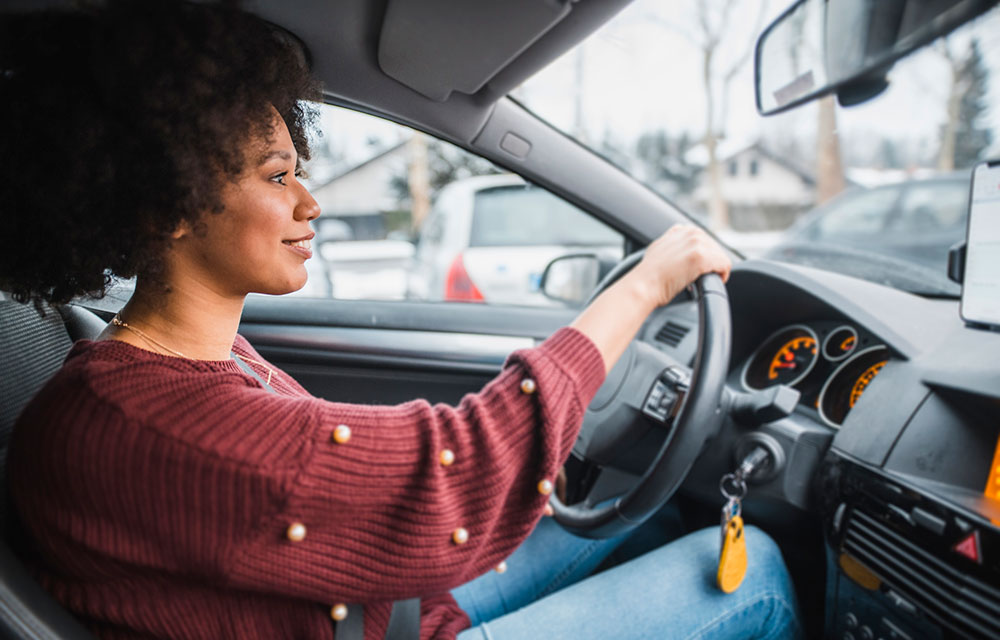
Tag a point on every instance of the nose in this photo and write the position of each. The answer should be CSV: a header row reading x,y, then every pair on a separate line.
x,y
307,208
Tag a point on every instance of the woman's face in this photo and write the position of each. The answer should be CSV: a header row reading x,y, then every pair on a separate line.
x,y
260,241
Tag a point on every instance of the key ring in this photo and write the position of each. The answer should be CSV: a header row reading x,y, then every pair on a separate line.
x,y
739,486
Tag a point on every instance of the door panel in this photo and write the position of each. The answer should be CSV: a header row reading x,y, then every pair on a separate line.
x,y
391,352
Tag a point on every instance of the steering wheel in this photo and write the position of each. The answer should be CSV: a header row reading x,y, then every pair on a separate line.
x,y
648,390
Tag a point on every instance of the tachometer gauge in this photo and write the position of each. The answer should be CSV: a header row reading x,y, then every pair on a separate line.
x,y
843,389
840,343
786,357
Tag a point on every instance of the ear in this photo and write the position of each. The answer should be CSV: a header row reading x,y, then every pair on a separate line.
x,y
183,229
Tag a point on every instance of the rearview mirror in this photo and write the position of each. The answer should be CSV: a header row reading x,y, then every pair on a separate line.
x,y
847,47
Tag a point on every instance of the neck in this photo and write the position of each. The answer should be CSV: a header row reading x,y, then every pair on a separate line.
x,y
191,320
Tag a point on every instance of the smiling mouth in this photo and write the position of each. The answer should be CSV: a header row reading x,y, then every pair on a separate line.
x,y
302,244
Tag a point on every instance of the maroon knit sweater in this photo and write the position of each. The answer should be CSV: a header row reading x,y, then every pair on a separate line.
x,y
159,491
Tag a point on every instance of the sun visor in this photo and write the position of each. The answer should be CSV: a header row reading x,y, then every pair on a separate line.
x,y
439,46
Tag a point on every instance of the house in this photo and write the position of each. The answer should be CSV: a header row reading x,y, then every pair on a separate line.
x,y
762,189
361,194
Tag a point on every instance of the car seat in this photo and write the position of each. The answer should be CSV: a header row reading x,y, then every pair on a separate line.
x,y
33,345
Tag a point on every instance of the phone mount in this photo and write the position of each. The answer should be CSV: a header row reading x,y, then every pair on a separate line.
x,y
956,262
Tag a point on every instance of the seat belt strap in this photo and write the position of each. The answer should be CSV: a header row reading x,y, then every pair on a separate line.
x,y
404,621
353,626
243,365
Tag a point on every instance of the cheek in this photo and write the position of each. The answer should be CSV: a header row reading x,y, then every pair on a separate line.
x,y
253,230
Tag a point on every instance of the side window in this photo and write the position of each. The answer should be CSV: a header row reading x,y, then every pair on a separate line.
x,y
863,213
407,216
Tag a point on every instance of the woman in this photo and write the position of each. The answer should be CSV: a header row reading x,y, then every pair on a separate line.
x,y
175,484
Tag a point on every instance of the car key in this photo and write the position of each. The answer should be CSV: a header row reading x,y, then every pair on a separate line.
x,y
732,552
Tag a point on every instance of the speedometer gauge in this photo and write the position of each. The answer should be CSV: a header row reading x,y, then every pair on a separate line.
x,y
843,389
786,357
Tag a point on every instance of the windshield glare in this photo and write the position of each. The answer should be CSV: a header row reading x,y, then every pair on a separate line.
x,y
879,190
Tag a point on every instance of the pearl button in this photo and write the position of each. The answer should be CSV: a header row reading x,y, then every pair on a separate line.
x,y
528,386
339,611
296,532
460,535
549,511
447,457
545,487
342,434
502,567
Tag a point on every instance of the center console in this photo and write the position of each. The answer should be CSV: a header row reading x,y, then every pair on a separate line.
x,y
913,539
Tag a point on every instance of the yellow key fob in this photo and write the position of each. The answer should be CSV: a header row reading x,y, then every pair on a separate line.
x,y
733,559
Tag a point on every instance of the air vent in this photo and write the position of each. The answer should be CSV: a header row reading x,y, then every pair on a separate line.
x,y
672,333
960,602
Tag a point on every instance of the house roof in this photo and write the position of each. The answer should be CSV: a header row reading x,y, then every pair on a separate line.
x,y
371,160
731,149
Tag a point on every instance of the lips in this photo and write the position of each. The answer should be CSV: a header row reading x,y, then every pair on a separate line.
x,y
302,246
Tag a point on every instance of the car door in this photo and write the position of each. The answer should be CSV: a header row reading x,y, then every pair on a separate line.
x,y
384,344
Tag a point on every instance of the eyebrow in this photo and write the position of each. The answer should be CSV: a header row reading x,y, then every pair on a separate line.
x,y
284,155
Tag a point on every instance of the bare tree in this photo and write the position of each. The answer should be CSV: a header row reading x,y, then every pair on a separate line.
x,y
418,180
962,138
829,166
714,26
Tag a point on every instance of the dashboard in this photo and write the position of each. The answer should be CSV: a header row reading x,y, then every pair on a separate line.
x,y
894,444
830,363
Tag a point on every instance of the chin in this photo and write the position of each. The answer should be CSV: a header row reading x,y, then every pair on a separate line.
x,y
281,288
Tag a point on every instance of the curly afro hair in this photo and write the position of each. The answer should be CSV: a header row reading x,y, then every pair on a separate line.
x,y
123,120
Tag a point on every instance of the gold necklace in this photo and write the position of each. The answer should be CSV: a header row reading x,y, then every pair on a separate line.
x,y
118,322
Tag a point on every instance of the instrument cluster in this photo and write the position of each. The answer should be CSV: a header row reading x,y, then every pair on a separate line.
x,y
830,363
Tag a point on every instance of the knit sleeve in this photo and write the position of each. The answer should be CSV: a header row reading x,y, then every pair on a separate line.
x,y
407,500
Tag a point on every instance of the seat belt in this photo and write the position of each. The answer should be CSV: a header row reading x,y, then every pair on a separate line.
x,y
404,621
251,372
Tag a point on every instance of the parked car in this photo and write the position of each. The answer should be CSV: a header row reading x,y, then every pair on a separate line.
x,y
916,221
488,239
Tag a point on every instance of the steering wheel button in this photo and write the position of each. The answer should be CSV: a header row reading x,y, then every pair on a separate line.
x,y
528,386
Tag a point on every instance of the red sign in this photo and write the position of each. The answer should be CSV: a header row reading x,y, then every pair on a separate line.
x,y
969,547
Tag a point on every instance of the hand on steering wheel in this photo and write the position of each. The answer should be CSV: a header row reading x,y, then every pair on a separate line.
x,y
616,417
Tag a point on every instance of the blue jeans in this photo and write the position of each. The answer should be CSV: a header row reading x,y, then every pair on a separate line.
x,y
667,593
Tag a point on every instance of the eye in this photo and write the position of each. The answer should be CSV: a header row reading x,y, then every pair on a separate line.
x,y
280,178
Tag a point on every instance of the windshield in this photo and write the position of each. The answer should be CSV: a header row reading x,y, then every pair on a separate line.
x,y
878,191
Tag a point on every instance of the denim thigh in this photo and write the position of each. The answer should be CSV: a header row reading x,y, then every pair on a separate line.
x,y
667,593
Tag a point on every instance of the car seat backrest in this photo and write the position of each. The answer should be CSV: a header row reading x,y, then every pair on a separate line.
x,y
33,345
